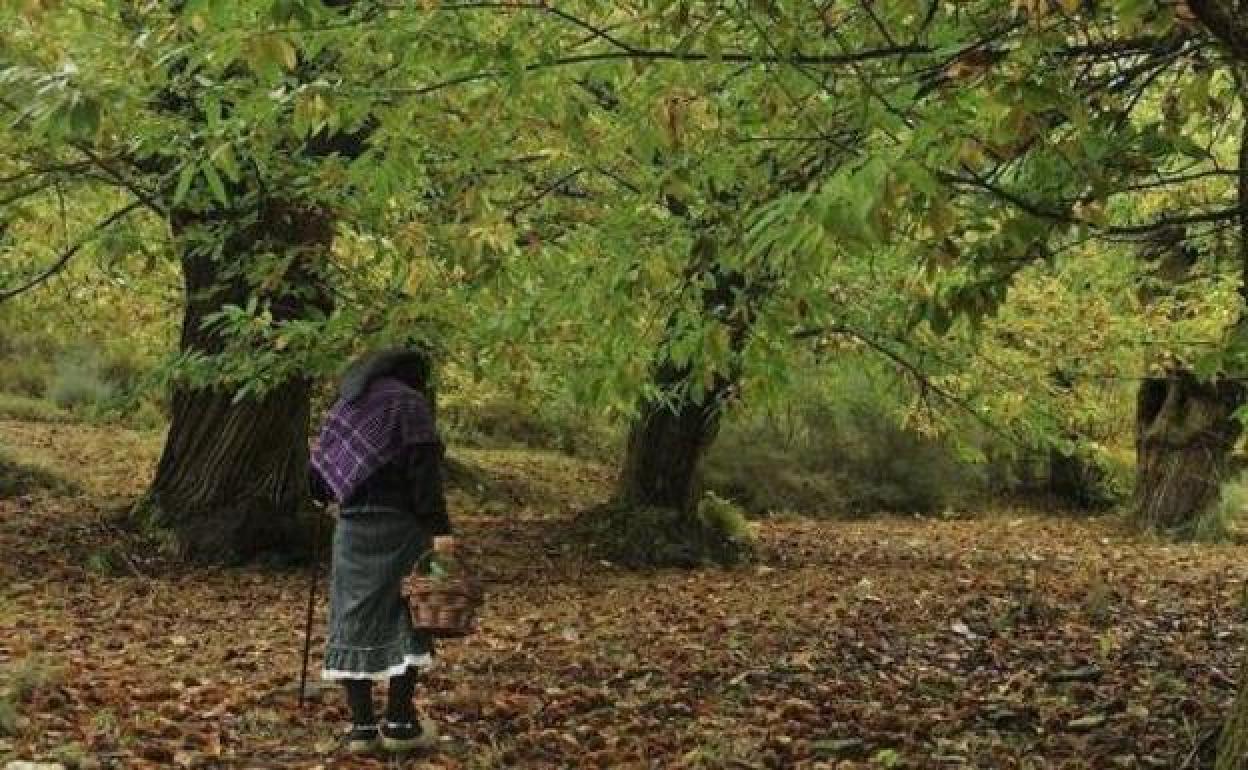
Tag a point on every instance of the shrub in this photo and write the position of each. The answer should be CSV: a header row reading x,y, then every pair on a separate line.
x,y
25,364
1087,477
722,516
8,716
149,414
79,384
1218,524
28,675
841,449
25,377
105,383
18,682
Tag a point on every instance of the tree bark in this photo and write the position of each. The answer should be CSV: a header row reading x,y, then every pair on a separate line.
x,y
233,474
669,438
1184,436
666,444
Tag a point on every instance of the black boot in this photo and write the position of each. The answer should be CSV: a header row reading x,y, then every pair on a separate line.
x,y
403,729
364,736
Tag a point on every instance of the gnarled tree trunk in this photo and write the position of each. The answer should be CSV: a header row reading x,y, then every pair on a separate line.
x,y
233,474
666,445
1184,436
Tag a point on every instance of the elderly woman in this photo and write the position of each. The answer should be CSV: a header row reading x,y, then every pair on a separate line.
x,y
379,457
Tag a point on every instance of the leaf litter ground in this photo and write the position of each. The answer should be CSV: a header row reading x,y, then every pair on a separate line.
x,y
1008,641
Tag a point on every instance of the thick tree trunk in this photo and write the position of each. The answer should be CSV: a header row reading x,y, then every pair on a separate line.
x,y
233,474
1185,431
666,445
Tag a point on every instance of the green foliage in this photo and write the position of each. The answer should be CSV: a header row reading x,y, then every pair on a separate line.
x,y
25,358
1223,521
8,717
1087,477
723,516
107,561
25,378
25,676
107,382
946,192
839,447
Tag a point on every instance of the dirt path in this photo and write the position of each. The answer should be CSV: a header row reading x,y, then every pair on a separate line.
x,y
1007,642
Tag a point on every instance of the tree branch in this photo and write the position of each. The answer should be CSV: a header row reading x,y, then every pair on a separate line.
x,y
61,261
1043,212
924,382
145,197
827,60
57,168
1224,23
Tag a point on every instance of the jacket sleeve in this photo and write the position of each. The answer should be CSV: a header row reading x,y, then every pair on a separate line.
x,y
424,473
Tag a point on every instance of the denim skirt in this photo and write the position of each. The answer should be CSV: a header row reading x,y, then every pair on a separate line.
x,y
370,632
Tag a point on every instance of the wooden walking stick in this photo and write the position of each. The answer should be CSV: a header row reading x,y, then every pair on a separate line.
x,y
307,630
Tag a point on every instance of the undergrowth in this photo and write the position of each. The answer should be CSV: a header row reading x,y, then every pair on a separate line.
x,y
840,448
41,381
508,423
19,681
1222,521
14,406
20,477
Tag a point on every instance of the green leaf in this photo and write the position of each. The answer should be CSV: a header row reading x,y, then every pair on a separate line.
x,y
185,178
223,159
215,184
84,118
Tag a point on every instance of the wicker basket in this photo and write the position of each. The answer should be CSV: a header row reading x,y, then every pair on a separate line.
x,y
445,607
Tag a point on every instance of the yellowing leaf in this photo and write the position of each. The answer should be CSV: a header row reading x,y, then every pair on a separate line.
x,y
287,53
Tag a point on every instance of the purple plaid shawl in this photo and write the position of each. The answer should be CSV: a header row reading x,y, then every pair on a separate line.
x,y
360,437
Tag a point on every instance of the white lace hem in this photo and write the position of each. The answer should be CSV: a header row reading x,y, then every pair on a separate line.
x,y
409,661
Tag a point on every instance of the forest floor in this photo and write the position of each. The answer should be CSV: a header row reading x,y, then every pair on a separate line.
x,y
1010,640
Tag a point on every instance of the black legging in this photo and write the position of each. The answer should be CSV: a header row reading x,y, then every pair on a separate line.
x,y
398,699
